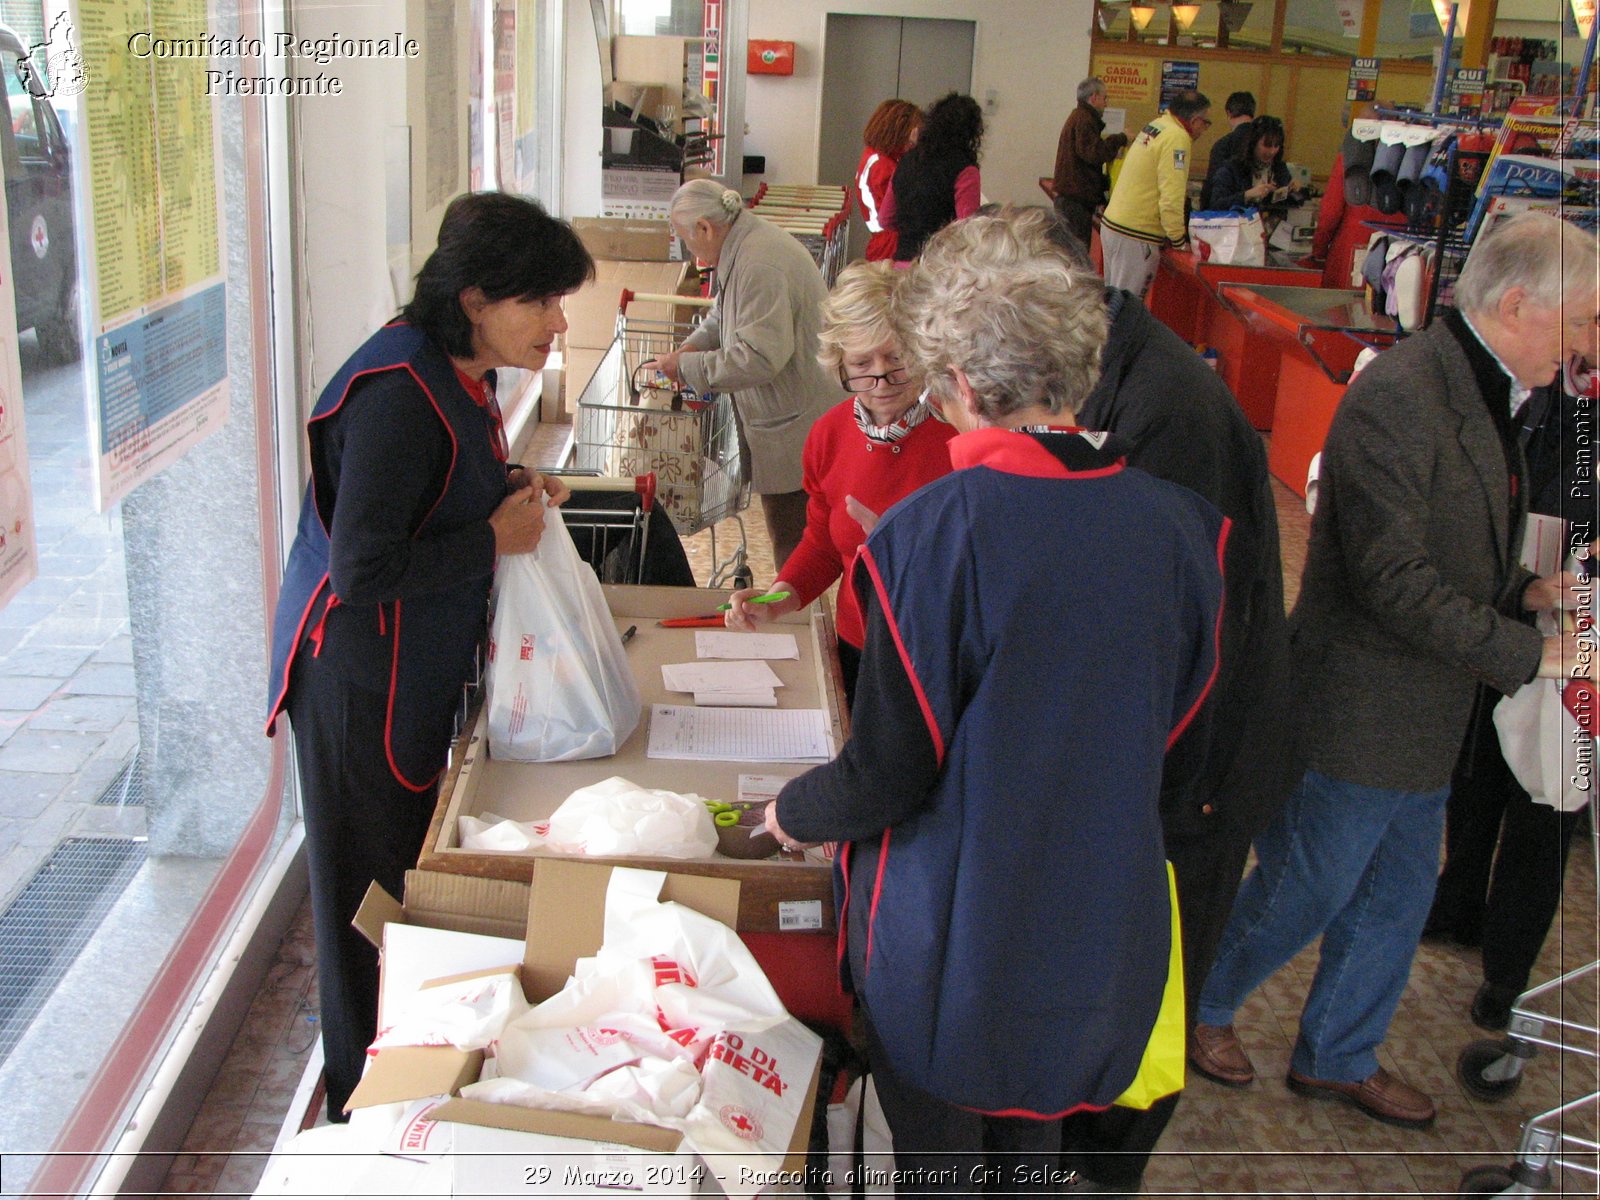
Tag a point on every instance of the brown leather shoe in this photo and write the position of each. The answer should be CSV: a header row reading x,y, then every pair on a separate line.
x,y
1380,1095
1215,1052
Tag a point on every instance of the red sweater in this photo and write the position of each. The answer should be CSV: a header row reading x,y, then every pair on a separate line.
x,y
840,461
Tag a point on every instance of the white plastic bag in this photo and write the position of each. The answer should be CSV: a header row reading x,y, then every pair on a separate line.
x,y
671,1023
1236,238
560,686
614,817
1550,755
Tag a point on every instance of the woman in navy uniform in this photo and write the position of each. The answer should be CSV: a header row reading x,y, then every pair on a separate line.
x,y
385,596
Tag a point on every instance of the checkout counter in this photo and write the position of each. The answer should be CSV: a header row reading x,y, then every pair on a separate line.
x,y
1313,336
1285,345
1186,296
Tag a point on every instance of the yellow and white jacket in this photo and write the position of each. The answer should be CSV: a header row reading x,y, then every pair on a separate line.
x,y
1147,202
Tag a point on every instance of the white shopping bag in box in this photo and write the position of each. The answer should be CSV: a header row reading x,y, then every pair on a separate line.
x,y
612,818
560,686
672,1023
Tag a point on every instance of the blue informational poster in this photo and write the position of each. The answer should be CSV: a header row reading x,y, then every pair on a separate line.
x,y
1178,77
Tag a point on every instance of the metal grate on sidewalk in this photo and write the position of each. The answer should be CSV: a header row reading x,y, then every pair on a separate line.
x,y
53,918
127,789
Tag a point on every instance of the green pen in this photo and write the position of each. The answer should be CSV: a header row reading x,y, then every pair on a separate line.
x,y
769,598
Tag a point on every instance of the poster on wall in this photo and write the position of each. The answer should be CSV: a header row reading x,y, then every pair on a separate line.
x,y
1178,77
505,93
1362,83
711,78
1130,82
19,544
158,334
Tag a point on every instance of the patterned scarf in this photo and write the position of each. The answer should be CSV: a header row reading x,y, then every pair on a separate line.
x,y
893,432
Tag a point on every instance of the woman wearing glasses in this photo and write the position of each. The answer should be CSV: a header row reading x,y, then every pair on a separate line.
x,y
860,457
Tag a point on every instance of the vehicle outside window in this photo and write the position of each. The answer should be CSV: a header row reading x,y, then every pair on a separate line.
x,y
38,170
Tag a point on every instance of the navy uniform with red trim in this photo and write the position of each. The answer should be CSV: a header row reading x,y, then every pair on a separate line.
x,y
383,607
1042,626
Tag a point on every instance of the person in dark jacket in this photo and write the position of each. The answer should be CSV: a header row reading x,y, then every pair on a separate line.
x,y
1183,425
936,181
1256,176
1409,603
1081,158
1009,730
1240,108
385,597
1505,853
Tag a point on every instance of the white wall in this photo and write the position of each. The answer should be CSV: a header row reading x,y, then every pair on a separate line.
x,y
1031,52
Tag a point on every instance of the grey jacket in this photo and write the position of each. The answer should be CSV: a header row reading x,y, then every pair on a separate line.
x,y
1410,583
760,343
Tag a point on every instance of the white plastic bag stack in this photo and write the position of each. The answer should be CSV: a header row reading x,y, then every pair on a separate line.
x,y
560,686
614,817
672,1023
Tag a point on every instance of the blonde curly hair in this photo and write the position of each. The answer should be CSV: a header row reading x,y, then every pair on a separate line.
x,y
856,315
994,296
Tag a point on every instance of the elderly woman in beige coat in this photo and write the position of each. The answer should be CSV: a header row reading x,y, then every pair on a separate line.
x,y
759,342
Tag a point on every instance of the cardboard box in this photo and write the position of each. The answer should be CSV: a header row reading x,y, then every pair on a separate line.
x,y
565,904
776,895
616,239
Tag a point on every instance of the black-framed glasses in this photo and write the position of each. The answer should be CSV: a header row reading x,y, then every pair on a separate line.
x,y
865,383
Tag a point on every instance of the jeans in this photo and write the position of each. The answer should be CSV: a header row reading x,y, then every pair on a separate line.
x,y
1356,865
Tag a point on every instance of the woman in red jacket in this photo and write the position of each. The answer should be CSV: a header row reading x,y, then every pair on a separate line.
x,y
878,446
890,133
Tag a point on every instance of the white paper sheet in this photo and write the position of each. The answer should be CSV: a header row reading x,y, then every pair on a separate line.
x,y
740,675
759,789
739,734
759,698
712,643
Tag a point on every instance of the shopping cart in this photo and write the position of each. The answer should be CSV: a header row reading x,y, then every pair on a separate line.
x,y
609,520
1491,1069
630,422
818,217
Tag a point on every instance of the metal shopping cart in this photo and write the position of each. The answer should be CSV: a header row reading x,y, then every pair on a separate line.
x,y
817,216
1491,1069
609,520
631,422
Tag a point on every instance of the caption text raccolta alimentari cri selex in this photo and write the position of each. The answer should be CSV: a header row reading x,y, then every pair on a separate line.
x,y
321,51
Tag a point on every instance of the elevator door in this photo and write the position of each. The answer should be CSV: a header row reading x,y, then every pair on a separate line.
x,y
868,60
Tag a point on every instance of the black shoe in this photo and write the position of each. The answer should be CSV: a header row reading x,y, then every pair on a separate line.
x,y
1491,1007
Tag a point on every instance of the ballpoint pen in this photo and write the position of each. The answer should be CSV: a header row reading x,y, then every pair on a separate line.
x,y
769,598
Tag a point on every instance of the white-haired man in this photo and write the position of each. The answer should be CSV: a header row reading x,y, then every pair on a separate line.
x,y
1409,601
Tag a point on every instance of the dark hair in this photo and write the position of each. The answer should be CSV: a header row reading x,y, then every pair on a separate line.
x,y
1262,129
1188,103
952,125
890,127
1240,104
504,244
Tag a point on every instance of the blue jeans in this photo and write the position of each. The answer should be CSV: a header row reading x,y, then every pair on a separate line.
x,y
1357,865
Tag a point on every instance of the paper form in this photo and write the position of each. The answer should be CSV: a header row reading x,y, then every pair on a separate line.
x,y
739,734
755,698
710,643
724,676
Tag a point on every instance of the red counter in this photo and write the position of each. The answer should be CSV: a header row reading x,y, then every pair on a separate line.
x,y
1186,297
1315,335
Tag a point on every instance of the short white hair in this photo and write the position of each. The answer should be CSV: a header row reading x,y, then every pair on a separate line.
x,y
994,296
705,199
1551,260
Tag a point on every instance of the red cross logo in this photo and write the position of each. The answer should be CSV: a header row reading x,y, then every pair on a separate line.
x,y
741,1121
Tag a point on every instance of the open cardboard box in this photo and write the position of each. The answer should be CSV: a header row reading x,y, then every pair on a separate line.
x,y
776,895
566,906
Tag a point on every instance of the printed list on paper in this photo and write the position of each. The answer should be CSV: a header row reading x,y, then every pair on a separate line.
x,y
739,734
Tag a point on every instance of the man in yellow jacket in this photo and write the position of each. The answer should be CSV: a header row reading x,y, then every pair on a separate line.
x,y
1146,210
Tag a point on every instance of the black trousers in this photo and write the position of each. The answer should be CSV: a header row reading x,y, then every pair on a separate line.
x,y
362,825
1505,861
1079,218
1113,1147
940,1149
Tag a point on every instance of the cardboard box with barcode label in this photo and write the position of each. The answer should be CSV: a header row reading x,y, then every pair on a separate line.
x,y
777,894
559,917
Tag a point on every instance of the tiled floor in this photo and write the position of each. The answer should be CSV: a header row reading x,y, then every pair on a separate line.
x,y
1258,1142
